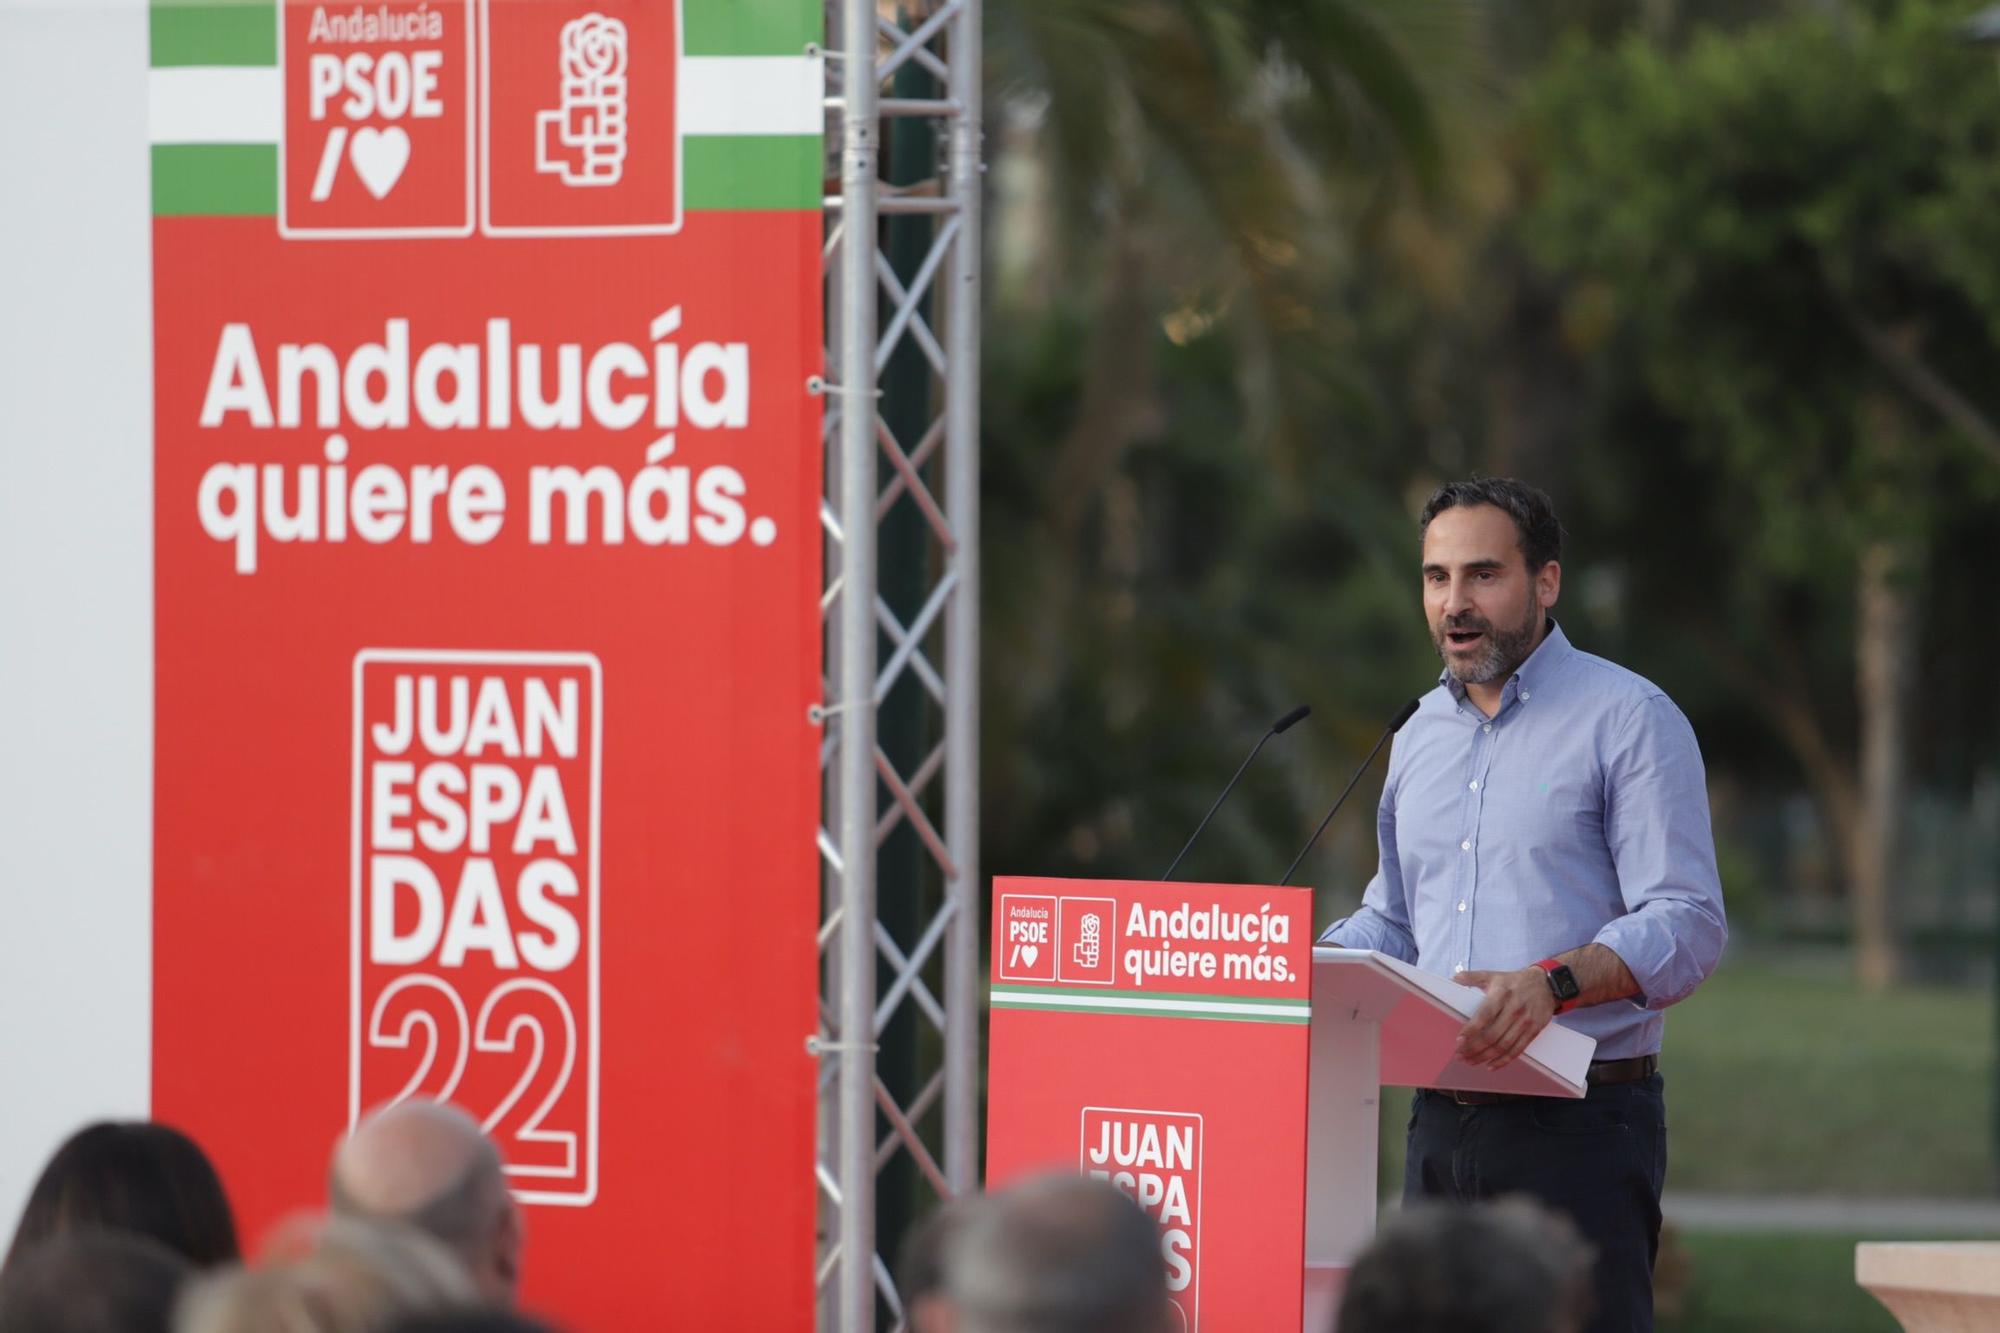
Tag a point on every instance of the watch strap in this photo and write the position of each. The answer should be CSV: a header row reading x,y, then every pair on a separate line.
x,y
1550,966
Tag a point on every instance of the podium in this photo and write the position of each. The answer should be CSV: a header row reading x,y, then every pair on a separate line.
x,y
1189,1044
1379,1022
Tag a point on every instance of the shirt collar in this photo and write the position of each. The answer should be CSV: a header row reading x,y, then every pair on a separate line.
x,y
1531,675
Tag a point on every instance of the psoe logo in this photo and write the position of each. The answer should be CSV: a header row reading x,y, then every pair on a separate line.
x,y
1155,1156
474,916
1087,941
580,117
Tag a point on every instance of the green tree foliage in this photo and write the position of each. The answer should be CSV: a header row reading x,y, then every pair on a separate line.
x,y
1718,274
1176,548
1776,247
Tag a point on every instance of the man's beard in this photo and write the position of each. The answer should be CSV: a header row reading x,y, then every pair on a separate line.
x,y
1502,652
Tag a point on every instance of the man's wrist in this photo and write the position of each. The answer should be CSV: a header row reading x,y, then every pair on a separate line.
x,y
1561,983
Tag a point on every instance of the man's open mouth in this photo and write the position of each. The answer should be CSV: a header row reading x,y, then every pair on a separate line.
x,y
1464,638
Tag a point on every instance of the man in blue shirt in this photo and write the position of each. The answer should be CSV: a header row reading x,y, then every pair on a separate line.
x,y
1544,837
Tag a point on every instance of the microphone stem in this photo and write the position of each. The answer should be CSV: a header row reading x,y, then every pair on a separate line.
x,y
1217,806
1383,740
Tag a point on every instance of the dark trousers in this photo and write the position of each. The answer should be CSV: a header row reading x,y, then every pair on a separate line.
x,y
1601,1160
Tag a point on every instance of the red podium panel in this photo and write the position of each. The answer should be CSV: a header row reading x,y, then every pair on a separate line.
x,y
1156,1035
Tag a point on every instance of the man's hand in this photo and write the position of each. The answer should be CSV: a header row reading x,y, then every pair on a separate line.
x,y
1518,1006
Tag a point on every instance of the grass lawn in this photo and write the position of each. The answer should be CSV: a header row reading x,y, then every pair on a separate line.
x,y
1793,1083
1767,1284
1784,1081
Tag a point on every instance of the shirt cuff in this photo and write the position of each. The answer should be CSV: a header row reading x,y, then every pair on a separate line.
x,y
1648,958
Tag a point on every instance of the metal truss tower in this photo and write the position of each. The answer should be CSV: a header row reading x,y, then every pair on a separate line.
x,y
879,464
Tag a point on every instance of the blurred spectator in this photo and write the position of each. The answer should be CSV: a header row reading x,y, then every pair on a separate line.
x,y
91,1280
359,1277
1056,1254
471,1321
429,1165
1506,1267
136,1177
920,1271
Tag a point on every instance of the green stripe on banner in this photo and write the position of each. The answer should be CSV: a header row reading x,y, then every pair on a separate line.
x,y
215,179
749,27
752,172
231,32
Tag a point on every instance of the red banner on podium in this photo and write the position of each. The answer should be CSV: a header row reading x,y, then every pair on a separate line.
x,y
1155,1035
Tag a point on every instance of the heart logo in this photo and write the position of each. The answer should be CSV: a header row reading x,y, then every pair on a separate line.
x,y
379,157
1029,953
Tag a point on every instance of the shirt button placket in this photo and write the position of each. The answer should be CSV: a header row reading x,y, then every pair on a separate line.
x,y
1482,742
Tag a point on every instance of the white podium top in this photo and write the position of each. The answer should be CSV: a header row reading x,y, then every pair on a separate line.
x,y
1421,1015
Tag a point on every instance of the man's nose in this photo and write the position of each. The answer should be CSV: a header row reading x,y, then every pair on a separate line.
x,y
1457,596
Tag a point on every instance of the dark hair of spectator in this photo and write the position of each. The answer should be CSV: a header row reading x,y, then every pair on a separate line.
x,y
92,1281
1506,1267
1057,1254
1534,517
136,1177
920,1267
470,1321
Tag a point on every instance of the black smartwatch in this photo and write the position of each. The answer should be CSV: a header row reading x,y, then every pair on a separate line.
x,y
1562,984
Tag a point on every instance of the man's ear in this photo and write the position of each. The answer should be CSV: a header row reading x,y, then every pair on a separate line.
x,y
933,1314
507,1242
1548,584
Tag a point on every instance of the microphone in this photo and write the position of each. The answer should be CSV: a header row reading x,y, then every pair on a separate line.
x,y
1403,715
1284,723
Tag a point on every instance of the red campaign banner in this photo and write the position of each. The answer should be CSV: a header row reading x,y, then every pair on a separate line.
x,y
486,628
1155,1035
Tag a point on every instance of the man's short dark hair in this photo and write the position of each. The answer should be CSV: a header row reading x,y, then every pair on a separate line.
x,y
1057,1254
1506,1267
1534,517
920,1267
470,1321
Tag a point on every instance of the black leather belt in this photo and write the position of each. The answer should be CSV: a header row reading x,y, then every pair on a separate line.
x,y
1601,1072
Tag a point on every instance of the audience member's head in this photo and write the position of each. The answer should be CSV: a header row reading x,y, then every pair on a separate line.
x,y
359,1277
920,1268
1056,1254
135,1177
91,1281
471,1321
430,1166
1506,1267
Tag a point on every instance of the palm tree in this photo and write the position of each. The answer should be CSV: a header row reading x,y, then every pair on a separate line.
x,y
1199,164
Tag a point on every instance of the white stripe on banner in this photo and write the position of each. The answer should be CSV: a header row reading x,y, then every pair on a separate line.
x,y
753,94
213,104
719,95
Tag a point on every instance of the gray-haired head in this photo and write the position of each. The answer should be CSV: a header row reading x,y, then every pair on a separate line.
x,y
1506,1267
1057,1254
357,1277
429,1166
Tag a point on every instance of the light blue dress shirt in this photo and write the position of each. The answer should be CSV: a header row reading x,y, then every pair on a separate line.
x,y
1577,812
